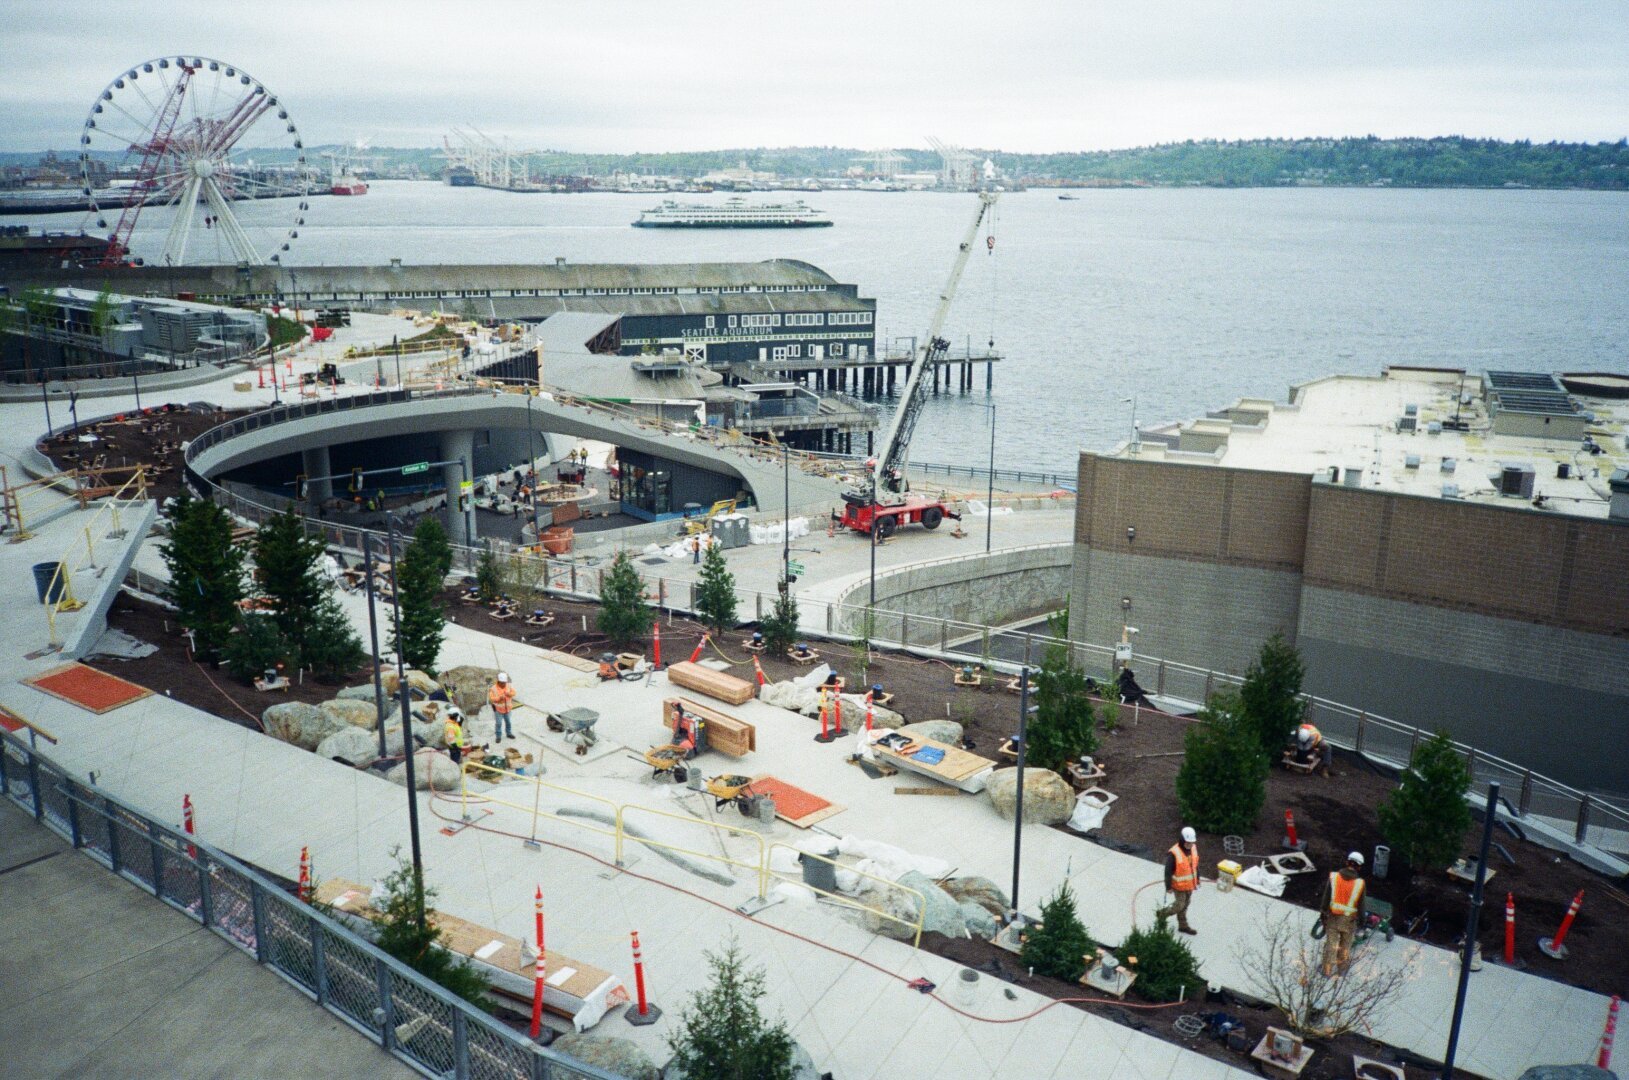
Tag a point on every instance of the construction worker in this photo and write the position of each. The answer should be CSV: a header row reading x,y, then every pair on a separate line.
x,y
1341,906
1310,749
455,736
1181,879
502,699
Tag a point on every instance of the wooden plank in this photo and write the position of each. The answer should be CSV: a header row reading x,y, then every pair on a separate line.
x,y
926,791
714,684
576,663
724,733
958,764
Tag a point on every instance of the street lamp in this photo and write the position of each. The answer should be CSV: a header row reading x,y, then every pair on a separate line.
x,y
531,469
1132,401
873,538
1024,709
407,724
786,519
989,517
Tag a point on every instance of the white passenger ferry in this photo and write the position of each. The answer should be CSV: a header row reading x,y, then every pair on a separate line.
x,y
734,213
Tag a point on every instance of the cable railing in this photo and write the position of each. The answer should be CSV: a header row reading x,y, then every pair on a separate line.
x,y
436,1033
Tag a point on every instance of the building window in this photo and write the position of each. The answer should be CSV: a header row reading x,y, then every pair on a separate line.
x,y
837,350
710,322
732,322
794,350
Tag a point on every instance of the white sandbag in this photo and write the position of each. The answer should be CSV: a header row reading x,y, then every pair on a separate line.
x,y
783,860
814,677
1259,880
848,881
1088,815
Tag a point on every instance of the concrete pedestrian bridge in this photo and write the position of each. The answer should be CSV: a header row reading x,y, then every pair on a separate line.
x,y
475,432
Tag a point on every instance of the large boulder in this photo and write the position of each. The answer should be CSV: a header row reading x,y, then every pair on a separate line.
x,y
978,890
619,1056
303,725
980,923
418,680
943,731
430,770
423,735
352,745
358,714
357,693
806,700
942,915
467,684
1048,798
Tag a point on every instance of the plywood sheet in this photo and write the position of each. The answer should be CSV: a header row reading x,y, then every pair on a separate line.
x,y
575,663
715,684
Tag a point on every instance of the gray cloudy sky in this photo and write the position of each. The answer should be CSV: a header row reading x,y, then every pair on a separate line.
x,y
624,75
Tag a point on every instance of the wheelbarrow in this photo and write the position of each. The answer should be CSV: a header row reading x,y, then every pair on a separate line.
x,y
729,789
669,761
578,726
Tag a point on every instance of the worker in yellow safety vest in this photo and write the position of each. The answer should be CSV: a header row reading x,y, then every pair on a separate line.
x,y
502,699
1181,879
1341,908
1310,748
455,736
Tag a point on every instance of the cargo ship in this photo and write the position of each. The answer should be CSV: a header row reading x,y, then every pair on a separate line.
x,y
732,214
345,182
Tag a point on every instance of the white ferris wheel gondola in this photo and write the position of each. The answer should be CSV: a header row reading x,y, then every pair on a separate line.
x,y
169,135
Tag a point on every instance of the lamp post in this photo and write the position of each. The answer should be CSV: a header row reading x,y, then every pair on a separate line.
x,y
373,639
396,344
1023,751
45,396
873,539
531,469
407,726
1472,925
786,518
989,517
1132,401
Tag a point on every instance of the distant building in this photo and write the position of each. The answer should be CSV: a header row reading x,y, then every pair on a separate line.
x,y
1445,549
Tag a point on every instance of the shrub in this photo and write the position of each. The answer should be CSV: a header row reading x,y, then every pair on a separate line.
x,y
1059,945
1166,968
723,1034
418,945
1271,694
1222,784
488,577
286,571
1425,819
715,593
624,616
256,647
332,648
1064,726
418,585
780,626
206,572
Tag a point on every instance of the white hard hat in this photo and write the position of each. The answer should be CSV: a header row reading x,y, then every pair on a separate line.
x,y
1189,836
1355,857
1303,737
503,676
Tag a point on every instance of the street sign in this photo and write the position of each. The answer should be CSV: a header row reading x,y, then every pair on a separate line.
x,y
794,567
409,470
466,486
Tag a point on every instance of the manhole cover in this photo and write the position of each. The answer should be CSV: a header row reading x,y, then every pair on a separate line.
x,y
653,561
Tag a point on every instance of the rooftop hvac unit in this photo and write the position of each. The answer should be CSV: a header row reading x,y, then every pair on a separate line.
x,y
1411,461
1450,491
1434,428
1411,410
1449,464
1354,477
1563,470
1516,480
1406,423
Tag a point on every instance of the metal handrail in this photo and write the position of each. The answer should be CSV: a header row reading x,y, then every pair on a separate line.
x,y
63,575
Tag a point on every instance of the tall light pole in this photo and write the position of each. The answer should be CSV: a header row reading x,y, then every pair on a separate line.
x,y
407,726
989,517
786,519
1023,751
373,638
1132,401
873,538
1472,924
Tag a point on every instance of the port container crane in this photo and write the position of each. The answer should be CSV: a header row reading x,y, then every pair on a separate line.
x,y
884,503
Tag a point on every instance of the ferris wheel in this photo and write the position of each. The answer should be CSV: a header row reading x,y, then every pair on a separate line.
x,y
166,142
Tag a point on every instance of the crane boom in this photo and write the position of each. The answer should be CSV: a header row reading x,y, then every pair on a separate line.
x,y
889,467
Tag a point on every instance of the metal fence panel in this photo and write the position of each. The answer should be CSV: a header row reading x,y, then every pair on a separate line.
x,y
288,942
424,1024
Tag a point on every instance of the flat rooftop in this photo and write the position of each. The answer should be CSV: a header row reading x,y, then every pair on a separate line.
x,y
1419,431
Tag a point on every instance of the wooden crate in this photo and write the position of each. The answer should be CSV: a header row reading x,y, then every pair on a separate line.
x,y
726,734
716,684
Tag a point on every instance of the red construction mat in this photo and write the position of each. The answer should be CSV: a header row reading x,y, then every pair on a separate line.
x,y
88,688
793,805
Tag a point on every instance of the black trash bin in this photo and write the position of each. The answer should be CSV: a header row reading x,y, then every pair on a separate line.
x,y
50,581
818,873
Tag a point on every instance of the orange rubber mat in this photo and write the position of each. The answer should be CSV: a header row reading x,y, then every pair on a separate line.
x,y
793,805
88,688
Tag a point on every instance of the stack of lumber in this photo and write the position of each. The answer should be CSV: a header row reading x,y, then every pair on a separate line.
x,y
715,684
723,733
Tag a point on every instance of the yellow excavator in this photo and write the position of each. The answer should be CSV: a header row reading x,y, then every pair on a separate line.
x,y
699,523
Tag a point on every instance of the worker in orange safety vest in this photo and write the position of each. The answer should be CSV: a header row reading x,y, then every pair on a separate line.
x,y
1310,748
1342,910
1181,879
502,699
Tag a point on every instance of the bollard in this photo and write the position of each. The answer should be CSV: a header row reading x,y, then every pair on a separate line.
x,y
188,825
837,715
700,645
1510,928
541,973
1291,840
1554,947
758,669
644,1013
260,378
868,697
656,642
305,875
1603,1060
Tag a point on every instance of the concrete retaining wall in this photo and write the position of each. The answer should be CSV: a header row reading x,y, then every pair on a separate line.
x,y
994,589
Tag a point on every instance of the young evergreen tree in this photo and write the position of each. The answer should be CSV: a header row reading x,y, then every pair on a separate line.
x,y
419,946
433,539
257,647
331,649
1271,694
1425,819
780,626
1222,783
418,585
624,616
1064,726
488,577
286,560
715,593
1167,969
1059,946
206,572
723,1034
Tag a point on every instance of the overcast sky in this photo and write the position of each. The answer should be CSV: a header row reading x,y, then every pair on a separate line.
x,y
621,75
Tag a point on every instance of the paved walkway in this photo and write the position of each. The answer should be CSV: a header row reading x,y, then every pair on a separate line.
x,y
97,978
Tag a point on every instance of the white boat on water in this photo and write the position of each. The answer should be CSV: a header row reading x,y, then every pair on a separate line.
x,y
734,213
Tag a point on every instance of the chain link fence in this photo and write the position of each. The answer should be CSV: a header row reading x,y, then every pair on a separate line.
x,y
431,1030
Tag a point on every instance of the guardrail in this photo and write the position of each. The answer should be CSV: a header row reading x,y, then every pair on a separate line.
x,y
1593,819
411,1018
59,593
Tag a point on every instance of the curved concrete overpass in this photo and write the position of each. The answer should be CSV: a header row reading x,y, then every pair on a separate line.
x,y
313,427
